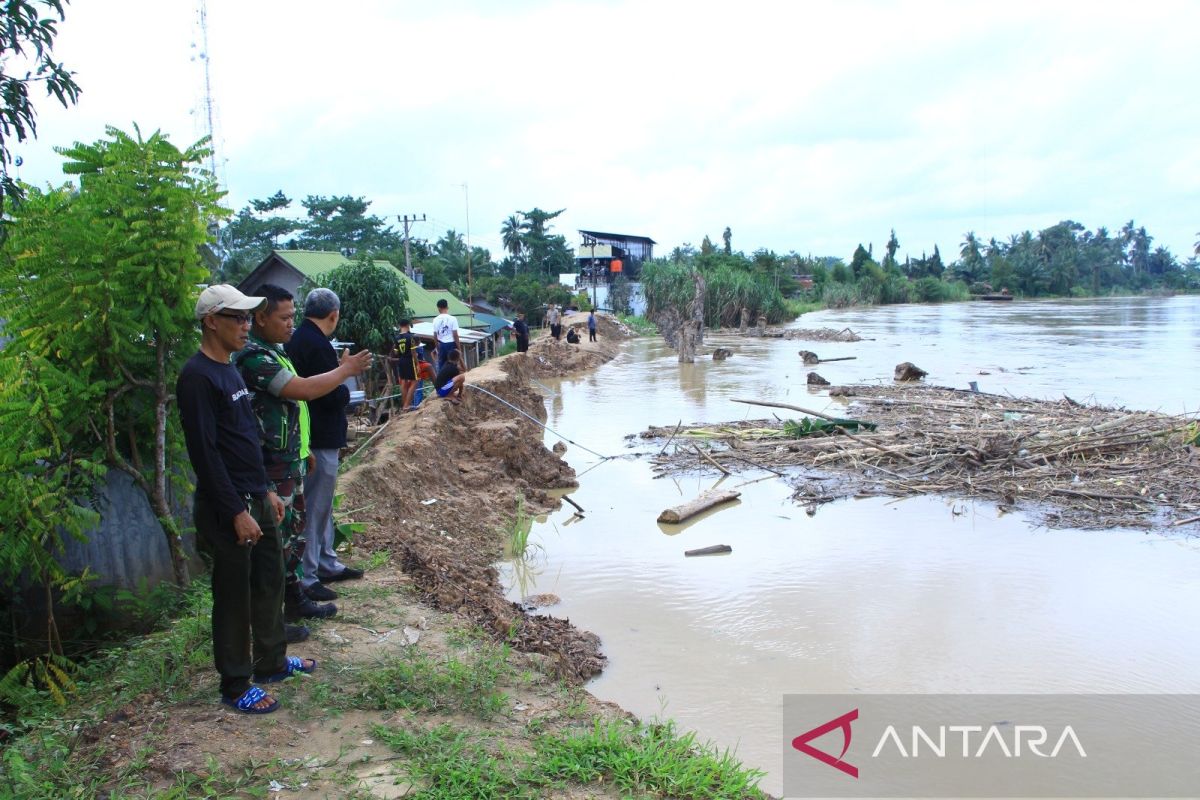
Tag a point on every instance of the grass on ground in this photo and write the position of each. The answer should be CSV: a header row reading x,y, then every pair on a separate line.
x,y
475,720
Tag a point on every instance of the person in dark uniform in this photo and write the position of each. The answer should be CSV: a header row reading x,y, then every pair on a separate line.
x,y
521,329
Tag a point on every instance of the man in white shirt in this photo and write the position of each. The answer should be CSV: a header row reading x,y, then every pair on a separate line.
x,y
553,318
445,331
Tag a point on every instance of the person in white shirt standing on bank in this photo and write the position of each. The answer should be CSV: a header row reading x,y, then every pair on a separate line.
x,y
445,331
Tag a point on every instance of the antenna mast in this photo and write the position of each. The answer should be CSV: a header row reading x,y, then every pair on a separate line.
x,y
209,129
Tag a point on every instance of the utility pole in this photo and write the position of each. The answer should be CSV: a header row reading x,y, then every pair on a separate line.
x,y
408,270
590,241
467,204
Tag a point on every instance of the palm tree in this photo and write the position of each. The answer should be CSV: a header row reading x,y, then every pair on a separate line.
x,y
510,233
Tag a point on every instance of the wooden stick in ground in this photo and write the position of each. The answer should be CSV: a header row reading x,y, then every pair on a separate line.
x,y
578,507
702,502
840,358
785,405
709,459
672,436
1178,522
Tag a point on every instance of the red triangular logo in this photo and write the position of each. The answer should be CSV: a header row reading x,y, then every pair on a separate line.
x,y
801,743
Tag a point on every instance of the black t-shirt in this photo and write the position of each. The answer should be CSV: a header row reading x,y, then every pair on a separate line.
x,y
405,353
221,432
445,374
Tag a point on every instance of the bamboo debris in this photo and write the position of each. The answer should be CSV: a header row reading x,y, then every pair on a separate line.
x,y
1070,464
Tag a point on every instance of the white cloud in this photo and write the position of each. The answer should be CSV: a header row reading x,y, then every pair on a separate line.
x,y
806,126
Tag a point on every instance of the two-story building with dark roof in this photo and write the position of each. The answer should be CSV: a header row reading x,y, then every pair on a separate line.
x,y
606,255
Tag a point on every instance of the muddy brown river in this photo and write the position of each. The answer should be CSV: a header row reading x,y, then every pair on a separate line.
x,y
925,595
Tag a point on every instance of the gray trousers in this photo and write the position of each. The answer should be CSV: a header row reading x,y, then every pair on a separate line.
x,y
319,484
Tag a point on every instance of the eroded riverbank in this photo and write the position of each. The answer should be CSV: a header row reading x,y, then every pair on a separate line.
x,y
428,679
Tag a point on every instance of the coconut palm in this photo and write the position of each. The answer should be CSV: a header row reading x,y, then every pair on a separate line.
x,y
510,232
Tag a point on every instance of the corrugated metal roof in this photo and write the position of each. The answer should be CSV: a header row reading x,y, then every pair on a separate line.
x,y
464,334
312,263
617,237
491,321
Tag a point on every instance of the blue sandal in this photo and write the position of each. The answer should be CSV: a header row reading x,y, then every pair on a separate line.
x,y
291,665
248,701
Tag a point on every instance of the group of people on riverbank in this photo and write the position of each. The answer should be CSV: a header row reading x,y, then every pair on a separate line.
x,y
409,366
263,406
554,320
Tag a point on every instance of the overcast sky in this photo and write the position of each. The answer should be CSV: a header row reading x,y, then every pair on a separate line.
x,y
806,126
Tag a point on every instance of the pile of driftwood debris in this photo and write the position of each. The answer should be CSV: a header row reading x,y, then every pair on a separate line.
x,y
809,334
1069,463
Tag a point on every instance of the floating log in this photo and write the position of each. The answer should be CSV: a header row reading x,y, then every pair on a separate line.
x,y
578,508
702,502
712,550
839,358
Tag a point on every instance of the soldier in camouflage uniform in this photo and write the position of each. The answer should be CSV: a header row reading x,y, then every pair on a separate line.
x,y
278,396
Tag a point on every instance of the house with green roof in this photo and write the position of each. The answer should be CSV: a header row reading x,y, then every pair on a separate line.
x,y
289,269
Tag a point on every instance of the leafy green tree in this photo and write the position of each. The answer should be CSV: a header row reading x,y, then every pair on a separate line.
x,y
342,223
547,254
707,248
1058,251
252,234
685,252
374,299
450,263
971,265
934,266
859,261
26,46
889,260
103,282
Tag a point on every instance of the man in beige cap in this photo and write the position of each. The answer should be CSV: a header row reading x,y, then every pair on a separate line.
x,y
236,514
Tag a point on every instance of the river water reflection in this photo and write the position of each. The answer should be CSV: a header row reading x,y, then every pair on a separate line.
x,y
919,595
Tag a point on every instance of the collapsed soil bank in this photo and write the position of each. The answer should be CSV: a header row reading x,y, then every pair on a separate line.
x,y
439,486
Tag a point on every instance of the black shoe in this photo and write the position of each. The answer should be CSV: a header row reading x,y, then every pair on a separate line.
x,y
347,574
297,605
309,610
319,591
295,633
